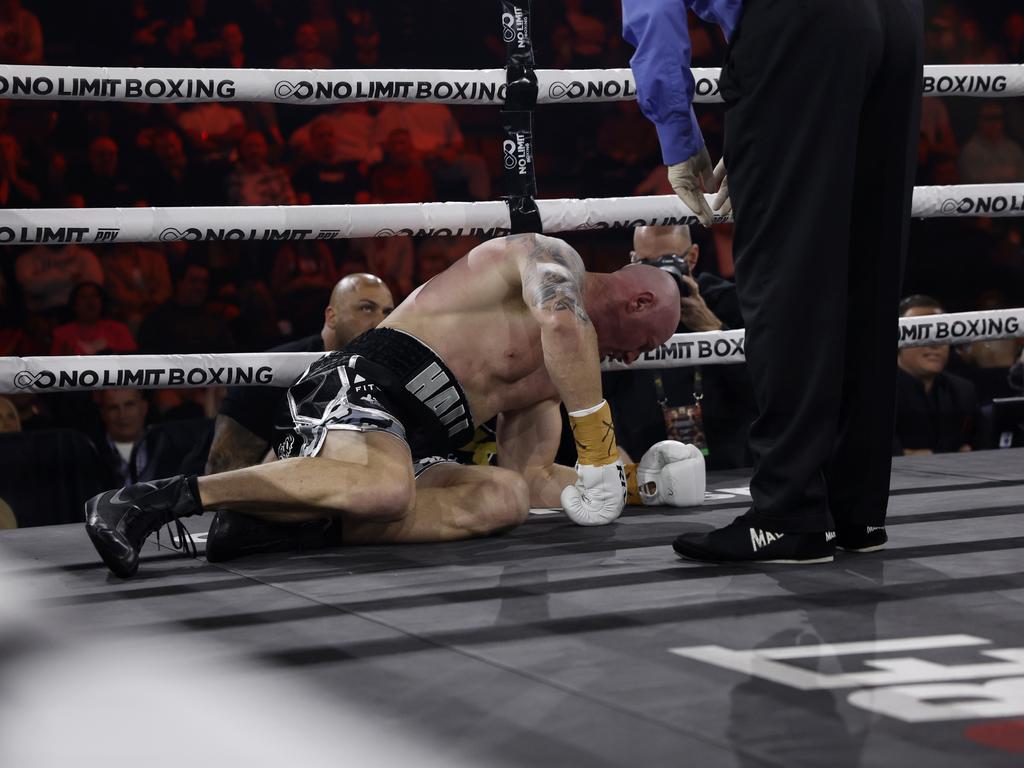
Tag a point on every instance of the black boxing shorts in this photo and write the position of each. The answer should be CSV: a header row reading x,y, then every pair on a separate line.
x,y
383,381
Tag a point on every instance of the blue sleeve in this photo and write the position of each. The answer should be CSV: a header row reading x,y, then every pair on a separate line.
x,y
661,67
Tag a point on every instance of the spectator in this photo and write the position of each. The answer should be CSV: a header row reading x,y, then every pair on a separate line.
x,y
324,178
9,419
589,36
21,37
431,127
1013,35
228,52
246,424
400,177
321,16
173,181
354,135
13,341
391,257
47,273
936,130
300,265
101,183
435,254
136,279
212,129
144,29
935,410
990,156
987,363
256,326
90,333
185,324
711,406
254,181
459,175
16,191
123,413
307,53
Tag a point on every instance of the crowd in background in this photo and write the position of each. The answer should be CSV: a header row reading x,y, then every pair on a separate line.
x,y
219,297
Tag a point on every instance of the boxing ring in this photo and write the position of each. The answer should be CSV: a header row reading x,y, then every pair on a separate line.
x,y
552,644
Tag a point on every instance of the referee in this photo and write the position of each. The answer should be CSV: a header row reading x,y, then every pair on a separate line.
x,y
821,127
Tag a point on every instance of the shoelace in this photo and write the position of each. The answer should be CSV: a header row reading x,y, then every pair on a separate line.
x,y
184,543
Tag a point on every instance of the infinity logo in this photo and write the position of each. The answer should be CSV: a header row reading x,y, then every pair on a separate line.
x,y
952,206
508,27
300,90
27,379
508,153
385,233
572,90
170,234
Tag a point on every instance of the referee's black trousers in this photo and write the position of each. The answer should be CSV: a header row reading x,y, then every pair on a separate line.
x,y
821,130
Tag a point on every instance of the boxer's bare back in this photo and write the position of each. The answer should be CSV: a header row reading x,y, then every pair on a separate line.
x,y
477,316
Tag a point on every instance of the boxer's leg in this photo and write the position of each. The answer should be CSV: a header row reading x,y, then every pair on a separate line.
x,y
453,502
356,475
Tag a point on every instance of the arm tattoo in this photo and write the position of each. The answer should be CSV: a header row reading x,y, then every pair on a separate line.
x,y
553,277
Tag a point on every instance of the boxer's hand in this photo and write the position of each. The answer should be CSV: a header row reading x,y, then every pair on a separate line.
x,y
686,179
671,473
721,205
598,496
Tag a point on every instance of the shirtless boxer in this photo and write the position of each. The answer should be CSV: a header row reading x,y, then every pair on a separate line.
x,y
511,329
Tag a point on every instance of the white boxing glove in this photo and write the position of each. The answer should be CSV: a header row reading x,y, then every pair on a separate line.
x,y
598,496
671,473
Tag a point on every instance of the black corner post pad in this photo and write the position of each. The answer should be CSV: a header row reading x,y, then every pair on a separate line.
x,y
515,31
520,177
517,117
523,215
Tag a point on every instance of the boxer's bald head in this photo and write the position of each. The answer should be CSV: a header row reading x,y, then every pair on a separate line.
x,y
633,310
358,303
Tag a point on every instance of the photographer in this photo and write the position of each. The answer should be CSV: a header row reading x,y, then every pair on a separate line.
x,y
711,407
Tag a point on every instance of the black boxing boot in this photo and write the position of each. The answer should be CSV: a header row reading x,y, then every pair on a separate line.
x,y
233,535
119,522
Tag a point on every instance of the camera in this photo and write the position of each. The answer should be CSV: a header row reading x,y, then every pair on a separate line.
x,y
676,266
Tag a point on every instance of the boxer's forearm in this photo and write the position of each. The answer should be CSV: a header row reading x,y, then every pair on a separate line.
x,y
572,361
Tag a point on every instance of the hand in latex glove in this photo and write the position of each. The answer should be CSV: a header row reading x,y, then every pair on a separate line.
x,y
598,496
671,473
686,179
721,205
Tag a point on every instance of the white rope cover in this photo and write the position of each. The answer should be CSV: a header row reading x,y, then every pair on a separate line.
x,y
66,374
439,86
22,226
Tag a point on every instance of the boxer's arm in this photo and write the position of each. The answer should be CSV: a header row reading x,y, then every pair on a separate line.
x,y
527,443
552,276
233,447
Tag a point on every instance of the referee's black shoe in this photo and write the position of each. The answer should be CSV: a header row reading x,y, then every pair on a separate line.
x,y
742,542
120,521
861,538
233,535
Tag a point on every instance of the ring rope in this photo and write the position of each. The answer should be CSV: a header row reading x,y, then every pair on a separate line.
x,y
23,226
436,86
280,369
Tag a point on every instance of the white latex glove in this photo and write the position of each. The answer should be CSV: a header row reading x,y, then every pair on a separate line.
x,y
721,205
599,495
672,473
686,179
